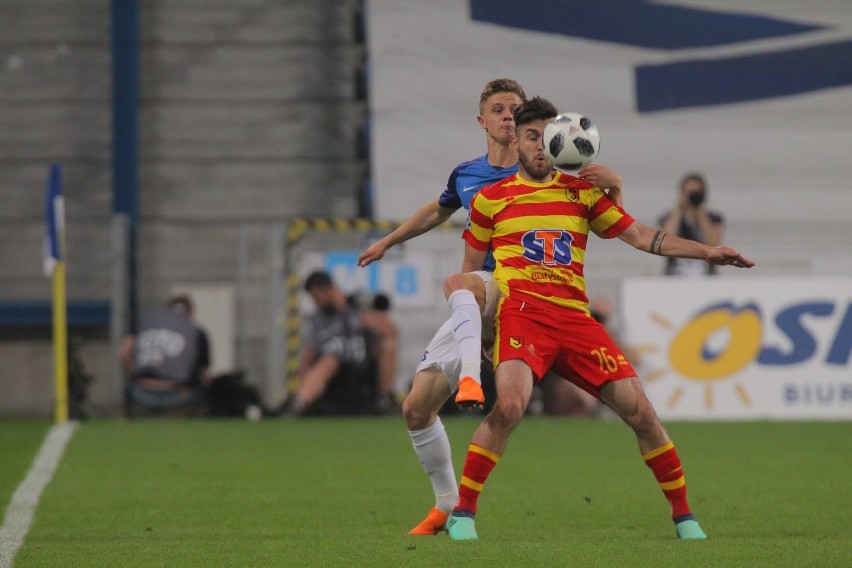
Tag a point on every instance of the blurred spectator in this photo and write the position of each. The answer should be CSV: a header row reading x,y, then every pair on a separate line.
x,y
561,397
349,353
168,361
691,219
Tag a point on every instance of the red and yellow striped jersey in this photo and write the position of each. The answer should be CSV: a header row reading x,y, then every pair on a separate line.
x,y
538,232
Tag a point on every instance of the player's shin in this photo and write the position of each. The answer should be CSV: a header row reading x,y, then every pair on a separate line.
x,y
666,466
477,468
432,447
467,331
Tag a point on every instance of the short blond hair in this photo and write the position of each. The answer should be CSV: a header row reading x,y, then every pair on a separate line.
x,y
496,86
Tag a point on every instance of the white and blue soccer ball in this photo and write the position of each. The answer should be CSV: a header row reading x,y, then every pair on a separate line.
x,y
571,141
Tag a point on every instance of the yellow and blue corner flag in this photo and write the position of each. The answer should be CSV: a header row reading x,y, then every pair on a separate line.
x,y
54,221
54,267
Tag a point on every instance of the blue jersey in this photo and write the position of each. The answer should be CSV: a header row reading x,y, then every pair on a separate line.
x,y
466,180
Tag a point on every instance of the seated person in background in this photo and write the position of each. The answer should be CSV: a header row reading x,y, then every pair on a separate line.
x,y
349,354
168,360
691,219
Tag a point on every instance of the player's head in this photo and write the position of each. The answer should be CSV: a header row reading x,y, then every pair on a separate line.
x,y
530,120
322,290
694,187
497,103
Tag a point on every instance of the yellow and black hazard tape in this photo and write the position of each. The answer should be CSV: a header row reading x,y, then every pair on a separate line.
x,y
298,227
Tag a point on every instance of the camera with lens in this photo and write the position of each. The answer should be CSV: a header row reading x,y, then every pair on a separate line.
x,y
364,300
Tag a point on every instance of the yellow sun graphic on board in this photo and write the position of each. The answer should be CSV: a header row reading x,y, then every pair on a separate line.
x,y
713,346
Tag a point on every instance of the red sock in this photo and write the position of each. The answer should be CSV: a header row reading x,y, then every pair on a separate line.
x,y
477,466
665,464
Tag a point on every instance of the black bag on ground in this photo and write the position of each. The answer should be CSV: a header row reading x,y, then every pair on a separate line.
x,y
228,395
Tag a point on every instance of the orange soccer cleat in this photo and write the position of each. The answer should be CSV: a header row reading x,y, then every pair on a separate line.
x,y
431,525
470,394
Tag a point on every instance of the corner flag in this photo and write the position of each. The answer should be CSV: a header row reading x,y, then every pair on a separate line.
x,y
54,221
54,266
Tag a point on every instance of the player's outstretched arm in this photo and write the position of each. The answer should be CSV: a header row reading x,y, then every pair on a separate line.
x,y
656,241
604,178
473,259
424,219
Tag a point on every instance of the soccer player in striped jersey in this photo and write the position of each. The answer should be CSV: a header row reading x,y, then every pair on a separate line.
x,y
455,350
537,222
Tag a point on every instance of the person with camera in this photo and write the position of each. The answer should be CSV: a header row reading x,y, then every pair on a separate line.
x,y
349,355
691,219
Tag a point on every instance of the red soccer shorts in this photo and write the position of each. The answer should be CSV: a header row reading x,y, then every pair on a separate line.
x,y
568,341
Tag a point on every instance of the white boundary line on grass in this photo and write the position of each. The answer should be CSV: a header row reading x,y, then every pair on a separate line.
x,y
19,514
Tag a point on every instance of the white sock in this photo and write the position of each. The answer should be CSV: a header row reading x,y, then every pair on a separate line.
x,y
432,447
467,331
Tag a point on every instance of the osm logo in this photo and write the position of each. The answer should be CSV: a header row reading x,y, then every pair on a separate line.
x,y
548,246
695,352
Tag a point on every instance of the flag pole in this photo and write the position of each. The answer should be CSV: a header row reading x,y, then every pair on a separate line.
x,y
60,344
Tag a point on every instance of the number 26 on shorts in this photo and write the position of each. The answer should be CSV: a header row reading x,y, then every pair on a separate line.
x,y
606,362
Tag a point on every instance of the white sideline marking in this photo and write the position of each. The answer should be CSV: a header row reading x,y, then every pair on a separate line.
x,y
19,515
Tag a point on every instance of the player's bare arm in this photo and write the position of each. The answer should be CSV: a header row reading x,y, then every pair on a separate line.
x,y
605,178
659,242
473,258
424,219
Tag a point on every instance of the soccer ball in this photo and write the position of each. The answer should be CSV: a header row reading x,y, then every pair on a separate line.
x,y
571,141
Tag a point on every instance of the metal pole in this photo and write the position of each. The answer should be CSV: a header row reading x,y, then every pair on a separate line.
x,y
119,322
125,124
242,295
274,389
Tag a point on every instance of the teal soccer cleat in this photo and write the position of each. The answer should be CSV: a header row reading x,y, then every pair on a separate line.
x,y
689,529
461,528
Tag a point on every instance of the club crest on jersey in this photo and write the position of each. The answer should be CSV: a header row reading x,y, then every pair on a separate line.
x,y
572,194
516,342
548,246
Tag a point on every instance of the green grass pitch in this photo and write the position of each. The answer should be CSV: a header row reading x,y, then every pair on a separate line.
x,y
343,492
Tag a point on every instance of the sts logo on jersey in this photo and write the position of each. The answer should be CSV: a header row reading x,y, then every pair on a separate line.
x,y
548,246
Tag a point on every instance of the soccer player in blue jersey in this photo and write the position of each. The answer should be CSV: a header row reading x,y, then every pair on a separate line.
x,y
455,350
